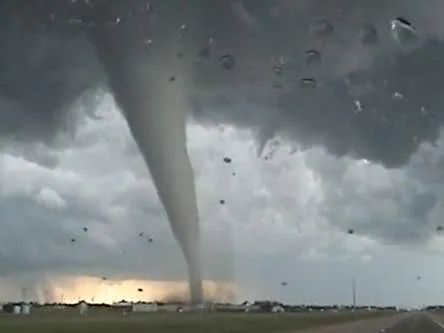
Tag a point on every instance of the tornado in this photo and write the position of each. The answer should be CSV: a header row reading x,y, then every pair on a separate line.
x,y
151,93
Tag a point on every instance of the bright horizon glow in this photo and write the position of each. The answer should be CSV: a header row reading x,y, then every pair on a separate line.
x,y
95,290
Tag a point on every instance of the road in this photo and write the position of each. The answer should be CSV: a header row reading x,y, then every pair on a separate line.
x,y
401,323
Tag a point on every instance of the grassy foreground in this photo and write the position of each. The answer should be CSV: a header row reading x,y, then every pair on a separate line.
x,y
176,322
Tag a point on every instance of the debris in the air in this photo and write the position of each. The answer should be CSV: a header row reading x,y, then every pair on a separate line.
x,y
227,62
398,95
358,106
368,34
103,278
116,21
418,278
350,231
278,69
234,173
141,234
150,240
439,228
222,202
321,28
139,290
73,240
284,283
403,31
227,160
266,157
313,58
85,229
172,79
308,83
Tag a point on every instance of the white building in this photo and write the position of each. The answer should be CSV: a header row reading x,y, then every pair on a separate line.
x,y
83,308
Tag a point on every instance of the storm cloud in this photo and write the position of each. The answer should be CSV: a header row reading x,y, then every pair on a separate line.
x,y
348,116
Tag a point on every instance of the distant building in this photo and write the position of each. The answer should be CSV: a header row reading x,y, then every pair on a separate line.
x,y
145,307
83,308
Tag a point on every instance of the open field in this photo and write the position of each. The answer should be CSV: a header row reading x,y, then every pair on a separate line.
x,y
176,322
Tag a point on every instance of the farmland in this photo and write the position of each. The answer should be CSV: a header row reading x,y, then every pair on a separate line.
x,y
110,322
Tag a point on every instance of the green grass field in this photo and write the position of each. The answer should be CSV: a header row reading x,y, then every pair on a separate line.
x,y
174,322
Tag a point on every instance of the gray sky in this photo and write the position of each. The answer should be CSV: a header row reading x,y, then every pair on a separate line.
x,y
363,151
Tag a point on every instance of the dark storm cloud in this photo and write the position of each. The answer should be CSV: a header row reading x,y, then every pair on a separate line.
x,y
46,63
377,102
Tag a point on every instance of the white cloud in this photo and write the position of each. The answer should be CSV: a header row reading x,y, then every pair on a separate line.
x,y
277,222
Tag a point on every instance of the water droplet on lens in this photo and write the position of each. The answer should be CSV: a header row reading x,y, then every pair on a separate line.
x,y
227,62
368,35
403,31
313,58
358,106
398,95
278,69
321,28
308,83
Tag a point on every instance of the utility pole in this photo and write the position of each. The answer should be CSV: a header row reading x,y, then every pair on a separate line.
x,y
354,292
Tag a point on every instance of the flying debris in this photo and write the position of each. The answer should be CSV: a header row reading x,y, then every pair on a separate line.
x,y
141,234
312,58
227,160
308,83
418,277
222,202
403,31
350,231
227,62
439,228
321,28
284,283
139,290
278,69
103,278
150,240
73,240
234,173
85,229
172,79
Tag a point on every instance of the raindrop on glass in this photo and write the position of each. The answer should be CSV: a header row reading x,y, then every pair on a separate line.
x,y
398,95
403,31
368,35
321,28
278,69
358,106
308,83
313,58
227,62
